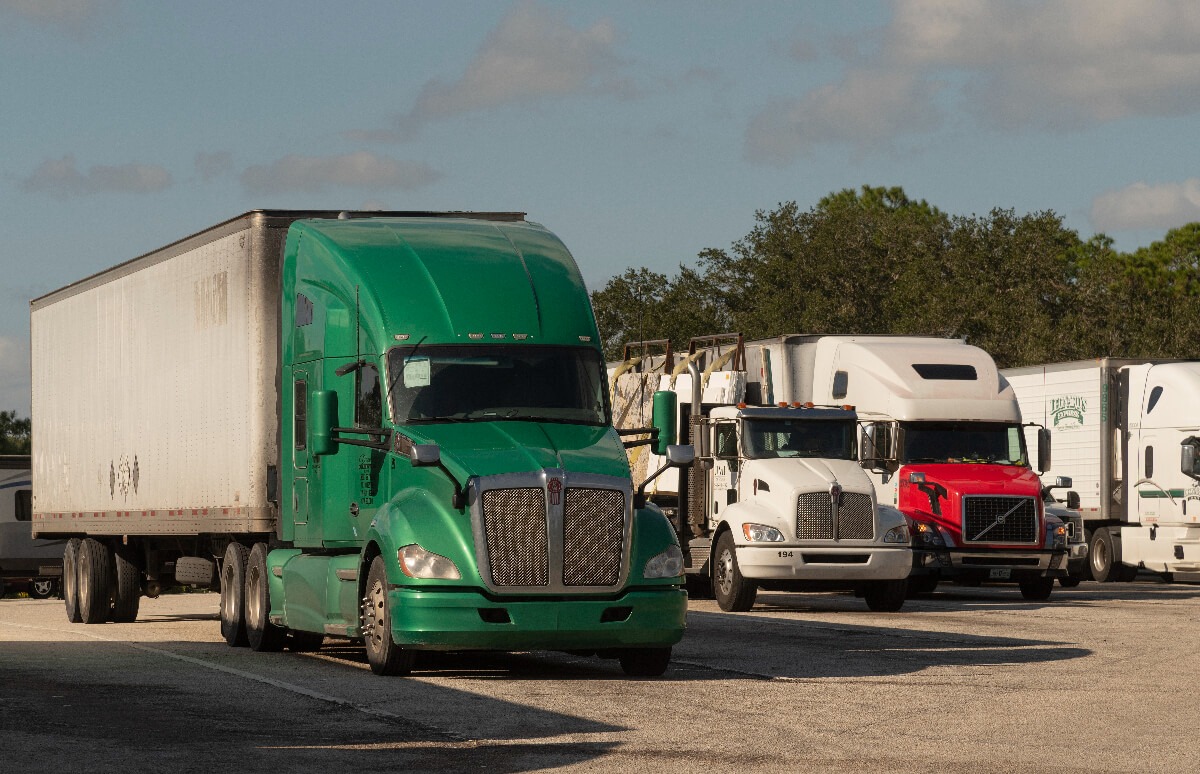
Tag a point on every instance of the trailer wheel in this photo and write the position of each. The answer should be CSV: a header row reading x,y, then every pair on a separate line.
x,y
233,599
260,632
383,654
95,581
1037,588
734,593
70,580
886,596
41,588
1104,556
127,587
644,662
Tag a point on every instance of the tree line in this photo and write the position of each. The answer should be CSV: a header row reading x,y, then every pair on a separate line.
x,y
1023,287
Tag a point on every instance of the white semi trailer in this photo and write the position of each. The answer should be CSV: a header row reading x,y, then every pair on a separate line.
x,y
1127,432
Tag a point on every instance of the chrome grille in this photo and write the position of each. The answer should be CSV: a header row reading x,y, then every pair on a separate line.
x,y
1000,519
593,536
514,524
814,517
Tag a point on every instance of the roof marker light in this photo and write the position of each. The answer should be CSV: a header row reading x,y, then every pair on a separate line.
x,y
741,405
497,335
796,404
847,407
809,404
585,338
475,336
783,404
520,336
401,337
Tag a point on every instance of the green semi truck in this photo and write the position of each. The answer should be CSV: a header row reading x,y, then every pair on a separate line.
x,y
388,427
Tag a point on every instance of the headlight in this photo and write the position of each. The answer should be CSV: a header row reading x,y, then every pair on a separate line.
x,y
759,533
668,564
927,534
896,534
1059,536
416,562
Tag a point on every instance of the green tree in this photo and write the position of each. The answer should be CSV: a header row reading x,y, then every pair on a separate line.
x,y
14,433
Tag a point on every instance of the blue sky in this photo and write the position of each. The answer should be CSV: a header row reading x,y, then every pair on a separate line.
x,y
639,132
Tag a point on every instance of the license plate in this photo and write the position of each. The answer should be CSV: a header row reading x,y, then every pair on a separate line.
x,y
1000,574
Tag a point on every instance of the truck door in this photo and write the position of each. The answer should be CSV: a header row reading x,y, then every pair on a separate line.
x,y
725,466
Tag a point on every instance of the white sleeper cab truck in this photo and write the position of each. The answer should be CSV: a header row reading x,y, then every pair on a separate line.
x,y
1127,433
25,563
944,442
775,497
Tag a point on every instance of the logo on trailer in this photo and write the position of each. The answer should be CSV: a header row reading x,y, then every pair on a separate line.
x,y
1068,409
554,489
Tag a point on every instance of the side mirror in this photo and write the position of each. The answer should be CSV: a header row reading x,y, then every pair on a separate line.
x,y
1073,500
424,455
323,413
1063,482
1189,459
664,419
1043,450
680,456
876,444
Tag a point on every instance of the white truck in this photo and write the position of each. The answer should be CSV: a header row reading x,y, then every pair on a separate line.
x,y
944,442
775,497
1127,433
24,562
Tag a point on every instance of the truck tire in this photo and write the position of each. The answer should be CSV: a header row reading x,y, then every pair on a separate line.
x,y
1104,556
1069,581
70,580
886,596
127,586
233,591
383,654
96,573
261,634
1037,589
41,588
734,593
645,662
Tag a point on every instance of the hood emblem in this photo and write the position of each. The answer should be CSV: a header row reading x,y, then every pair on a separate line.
x,y
554,490
835,493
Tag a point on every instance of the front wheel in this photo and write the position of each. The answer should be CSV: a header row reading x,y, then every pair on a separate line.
x,y
645,662
734,593
886,596
1069,581
383,654
1037,589
41,588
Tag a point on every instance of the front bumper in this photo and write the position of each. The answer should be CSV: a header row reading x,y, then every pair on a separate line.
x,y
790,562
957,561
467,620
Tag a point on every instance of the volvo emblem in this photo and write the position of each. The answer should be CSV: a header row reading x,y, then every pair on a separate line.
x,y
554,490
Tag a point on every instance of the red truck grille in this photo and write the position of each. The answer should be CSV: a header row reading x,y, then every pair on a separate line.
x,y
1000,519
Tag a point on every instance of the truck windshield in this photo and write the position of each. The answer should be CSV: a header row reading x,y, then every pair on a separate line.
x,y
765,438
489,383
987,442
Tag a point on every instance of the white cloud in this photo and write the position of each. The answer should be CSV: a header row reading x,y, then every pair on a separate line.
x,y
1063,65
532,55
14,375
353,170
1145,206
61,178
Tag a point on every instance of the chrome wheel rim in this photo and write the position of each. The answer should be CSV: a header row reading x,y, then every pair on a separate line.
x,y
375,617
725,572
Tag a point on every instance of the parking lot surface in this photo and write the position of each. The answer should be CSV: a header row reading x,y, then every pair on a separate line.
x,y
1099,678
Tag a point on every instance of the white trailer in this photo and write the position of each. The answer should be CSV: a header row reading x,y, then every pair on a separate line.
x,y
24,561
1127,432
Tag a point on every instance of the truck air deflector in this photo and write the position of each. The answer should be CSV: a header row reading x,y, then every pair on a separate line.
x,y
551,531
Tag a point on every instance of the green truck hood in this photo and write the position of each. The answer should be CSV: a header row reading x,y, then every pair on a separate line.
x,y
491,448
